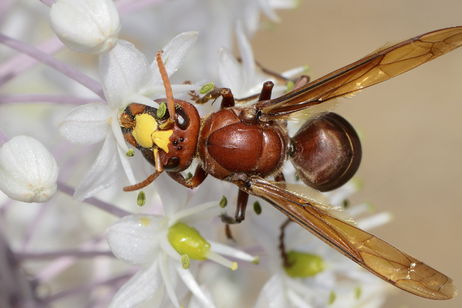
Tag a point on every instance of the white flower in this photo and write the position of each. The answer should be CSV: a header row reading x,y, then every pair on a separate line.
x,y
243,78
155,243
127,77
28,172
86,25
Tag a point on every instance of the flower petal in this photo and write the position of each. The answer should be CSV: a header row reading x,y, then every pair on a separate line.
x,y
272,294
86,124
265,5
101,174
28,172
229,71
124,71
174,53
135,238
167,276
192,285
248,61
86,25
142,286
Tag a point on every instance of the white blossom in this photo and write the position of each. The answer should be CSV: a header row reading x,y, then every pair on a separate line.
x,y
86,25
243,77
127,77
28,171
146,240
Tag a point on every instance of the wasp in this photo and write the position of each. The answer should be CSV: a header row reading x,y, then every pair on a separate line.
x,y
246,145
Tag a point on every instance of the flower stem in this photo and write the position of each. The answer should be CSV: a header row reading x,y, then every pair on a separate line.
x,y
112,282
107,207
19,63
44,98
27,256
3,138
47,59
48,2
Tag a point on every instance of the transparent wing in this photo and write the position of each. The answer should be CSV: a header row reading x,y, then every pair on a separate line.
x,y
372,253
379,66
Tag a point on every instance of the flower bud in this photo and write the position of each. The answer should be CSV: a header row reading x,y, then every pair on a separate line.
x,y
302,265
88,26
188,241
28,172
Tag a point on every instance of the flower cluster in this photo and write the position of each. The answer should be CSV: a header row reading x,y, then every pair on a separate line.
x,y
171,250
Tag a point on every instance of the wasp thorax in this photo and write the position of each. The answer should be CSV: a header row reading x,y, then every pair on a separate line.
x,y
326,152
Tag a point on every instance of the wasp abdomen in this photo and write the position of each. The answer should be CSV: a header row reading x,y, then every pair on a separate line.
x,y
326,152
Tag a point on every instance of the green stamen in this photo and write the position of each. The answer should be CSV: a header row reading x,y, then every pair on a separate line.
x,y
332,297
302,265
188,241
185,261
358,292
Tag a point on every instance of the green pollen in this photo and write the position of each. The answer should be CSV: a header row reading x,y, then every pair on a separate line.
x,y
185,261
290,86
302,265
346,203
257,207
223,202
332,297
358,292
161,110
130,153
141,198
188,176
206,88
188,241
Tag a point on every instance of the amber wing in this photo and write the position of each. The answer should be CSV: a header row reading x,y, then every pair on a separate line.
x,y
370,70
372,253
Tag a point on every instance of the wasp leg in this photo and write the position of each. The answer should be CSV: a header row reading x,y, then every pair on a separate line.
x,y
265,93
282,247
144,183
225,93
279,177
239,215
197,179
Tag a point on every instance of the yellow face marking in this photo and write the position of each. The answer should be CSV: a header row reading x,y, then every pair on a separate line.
x,y
145,126
147,133
162,138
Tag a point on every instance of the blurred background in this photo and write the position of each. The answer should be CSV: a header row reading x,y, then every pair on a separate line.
x,y
412,146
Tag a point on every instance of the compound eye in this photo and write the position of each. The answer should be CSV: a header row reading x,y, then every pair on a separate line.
x,y
182,119
172,163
